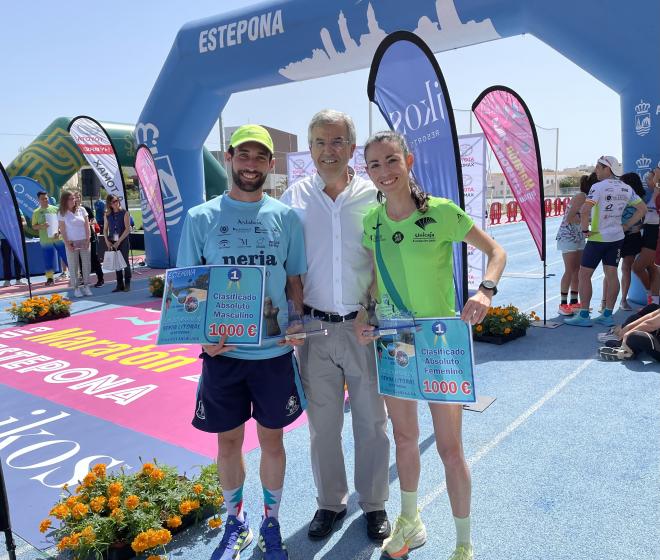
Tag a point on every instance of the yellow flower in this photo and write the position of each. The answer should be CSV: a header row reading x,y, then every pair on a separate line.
x,y
132,502
197,489
113,503
44,525
117,514
507,330
115,489
509,318
99,470
173,521
153,557
502,320
88,534
214,523
479,328
90,478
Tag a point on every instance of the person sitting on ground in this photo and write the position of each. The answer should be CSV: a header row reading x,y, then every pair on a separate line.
x,y
641,335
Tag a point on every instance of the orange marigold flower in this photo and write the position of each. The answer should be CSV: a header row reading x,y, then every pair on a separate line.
x,y
64,543
44,525
187,506
157,474
75,540
90,478
115,489
507,330
99,470
154,557
79,511
71,501
60,511
140,543
113,503
164,536
218,501
502,320
88,534
117,514
214,522
147,468
97,504
173,521
509,318
132,502
197,488
479,328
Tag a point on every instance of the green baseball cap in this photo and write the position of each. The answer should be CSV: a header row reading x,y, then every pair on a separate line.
x,y
251,133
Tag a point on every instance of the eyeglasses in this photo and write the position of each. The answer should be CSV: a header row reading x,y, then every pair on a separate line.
x,y
115,201
336,144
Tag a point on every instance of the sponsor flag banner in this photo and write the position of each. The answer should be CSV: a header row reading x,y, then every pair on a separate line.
x,y
509,129
473,165
97,148
407,85
10,220
300,165
150,185
26,189
433,361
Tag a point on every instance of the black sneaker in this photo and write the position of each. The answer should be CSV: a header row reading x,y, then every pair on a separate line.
x,y
50,282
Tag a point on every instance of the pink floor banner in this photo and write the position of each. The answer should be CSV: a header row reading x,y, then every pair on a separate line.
x,y
150,186
107,365
509,129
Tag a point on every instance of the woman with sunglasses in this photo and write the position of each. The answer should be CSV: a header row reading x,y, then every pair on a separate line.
x,y
116,230
74,227
416,277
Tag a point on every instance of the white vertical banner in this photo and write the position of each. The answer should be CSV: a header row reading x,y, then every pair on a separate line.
x,y
300,165
96,146
473,164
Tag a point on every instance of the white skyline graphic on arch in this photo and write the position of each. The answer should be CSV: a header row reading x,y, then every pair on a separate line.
x,y
449,32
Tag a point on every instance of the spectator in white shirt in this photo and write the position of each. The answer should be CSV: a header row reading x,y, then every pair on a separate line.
x,y
331,204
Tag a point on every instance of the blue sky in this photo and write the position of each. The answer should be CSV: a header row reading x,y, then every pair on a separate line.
x,y
102,59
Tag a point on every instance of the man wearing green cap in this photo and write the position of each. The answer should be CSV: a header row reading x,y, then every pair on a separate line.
x,y
244,226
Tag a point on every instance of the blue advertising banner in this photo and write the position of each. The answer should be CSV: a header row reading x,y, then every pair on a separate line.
x,y
407,85
203,303
10,220
26,190
431,362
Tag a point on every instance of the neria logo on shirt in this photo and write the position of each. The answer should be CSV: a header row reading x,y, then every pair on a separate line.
x,y
254,259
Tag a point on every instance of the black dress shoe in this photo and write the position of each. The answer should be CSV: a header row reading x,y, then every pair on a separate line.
x,y
378,526
323,522
99,284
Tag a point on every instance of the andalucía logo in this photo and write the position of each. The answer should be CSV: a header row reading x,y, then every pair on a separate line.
x,y
425,221
642,118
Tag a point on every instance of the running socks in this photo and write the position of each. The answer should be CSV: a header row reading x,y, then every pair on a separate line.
x,y
409,505
234,502
272,499
574,297
462,530
564,298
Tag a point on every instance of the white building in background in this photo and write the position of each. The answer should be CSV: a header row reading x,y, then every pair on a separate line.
x,y
499,188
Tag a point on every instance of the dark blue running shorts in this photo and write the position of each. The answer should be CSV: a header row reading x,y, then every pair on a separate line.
x,y
609,252
230,391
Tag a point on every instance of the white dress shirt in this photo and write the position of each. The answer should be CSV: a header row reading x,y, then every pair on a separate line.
x,y
339,269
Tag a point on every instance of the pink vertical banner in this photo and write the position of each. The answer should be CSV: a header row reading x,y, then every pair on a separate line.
x,y
509,129
150,185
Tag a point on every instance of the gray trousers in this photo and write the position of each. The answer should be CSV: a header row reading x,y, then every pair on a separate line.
x,y
327,362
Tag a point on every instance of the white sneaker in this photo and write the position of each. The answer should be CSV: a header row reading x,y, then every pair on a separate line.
x,y
63,276
87,291
6,284
21,282
77,292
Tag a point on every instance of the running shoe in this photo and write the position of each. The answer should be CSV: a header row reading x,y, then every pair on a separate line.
x,y
625,306
270,540
87,291
576,306
579,321
63,276
50,282
6,284
77,292
406,536
237,537
462,552
606,320
565,309
614,354
20,282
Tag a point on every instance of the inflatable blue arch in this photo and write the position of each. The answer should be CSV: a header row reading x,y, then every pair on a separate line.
x,y
278,42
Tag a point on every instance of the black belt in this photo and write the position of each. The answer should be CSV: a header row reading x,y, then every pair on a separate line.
x,y
329,317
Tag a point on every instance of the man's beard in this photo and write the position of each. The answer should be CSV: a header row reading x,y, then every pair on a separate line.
x,y
247,187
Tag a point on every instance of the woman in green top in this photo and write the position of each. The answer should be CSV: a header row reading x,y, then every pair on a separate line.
x,y
411,236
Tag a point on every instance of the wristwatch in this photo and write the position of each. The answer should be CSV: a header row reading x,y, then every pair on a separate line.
x,y
489,285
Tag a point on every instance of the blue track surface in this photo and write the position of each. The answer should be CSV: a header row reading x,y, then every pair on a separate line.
x,y
565,464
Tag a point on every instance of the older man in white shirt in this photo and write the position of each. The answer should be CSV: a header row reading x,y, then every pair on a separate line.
x,y
331,204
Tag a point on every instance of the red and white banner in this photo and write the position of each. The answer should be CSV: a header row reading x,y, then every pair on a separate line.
x,y
150,186
96,146
509,129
